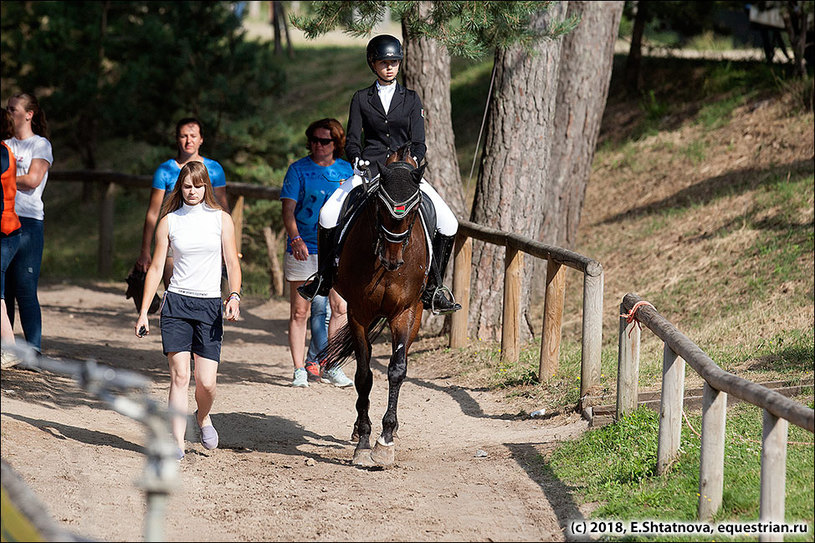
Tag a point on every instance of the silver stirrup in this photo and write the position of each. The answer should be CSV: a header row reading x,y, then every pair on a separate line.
x,y
313,277
436,311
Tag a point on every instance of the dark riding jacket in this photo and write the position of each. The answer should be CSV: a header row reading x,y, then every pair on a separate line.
x,y
384,132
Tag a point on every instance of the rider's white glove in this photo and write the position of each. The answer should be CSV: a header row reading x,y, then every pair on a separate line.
x,y
360,166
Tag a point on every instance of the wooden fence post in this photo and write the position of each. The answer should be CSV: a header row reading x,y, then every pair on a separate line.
x,y
105,252
552,319
773,473
237,218
628,366
592,332
670,411
462,271
272,247
510,339
711,458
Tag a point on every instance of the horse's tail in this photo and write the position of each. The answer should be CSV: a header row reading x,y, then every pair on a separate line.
x,y
341,347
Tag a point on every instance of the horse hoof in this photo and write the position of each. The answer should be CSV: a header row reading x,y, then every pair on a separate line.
x,y
362,457
382,454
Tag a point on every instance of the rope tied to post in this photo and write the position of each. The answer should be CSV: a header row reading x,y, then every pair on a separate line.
x,y
631,316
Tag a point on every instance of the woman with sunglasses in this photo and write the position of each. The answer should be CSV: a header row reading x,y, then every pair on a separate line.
x,y
389,116
307,185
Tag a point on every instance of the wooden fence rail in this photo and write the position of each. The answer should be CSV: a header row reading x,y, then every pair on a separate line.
x,y
778,410
558,259
235,191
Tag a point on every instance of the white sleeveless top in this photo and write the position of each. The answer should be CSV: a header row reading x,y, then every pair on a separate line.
x,y
195,238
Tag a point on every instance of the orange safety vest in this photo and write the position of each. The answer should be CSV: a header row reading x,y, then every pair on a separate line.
x,y
9,223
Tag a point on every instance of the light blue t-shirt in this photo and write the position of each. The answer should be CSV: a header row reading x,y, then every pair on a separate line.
x,y
167,174
310,185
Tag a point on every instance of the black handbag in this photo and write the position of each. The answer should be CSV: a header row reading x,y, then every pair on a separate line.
x,y
135,290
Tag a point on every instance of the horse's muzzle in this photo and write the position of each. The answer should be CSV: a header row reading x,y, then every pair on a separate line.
x,y
390,264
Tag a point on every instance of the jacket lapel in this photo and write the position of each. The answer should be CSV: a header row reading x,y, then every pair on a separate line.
x,y
398,97
374,101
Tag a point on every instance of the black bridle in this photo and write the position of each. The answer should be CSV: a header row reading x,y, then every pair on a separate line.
x,y
393,237
397,210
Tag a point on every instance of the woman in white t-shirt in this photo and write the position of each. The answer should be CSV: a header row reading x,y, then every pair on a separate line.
x,y
199,232
34,157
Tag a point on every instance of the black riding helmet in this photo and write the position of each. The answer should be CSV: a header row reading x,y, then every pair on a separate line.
x,y
384,47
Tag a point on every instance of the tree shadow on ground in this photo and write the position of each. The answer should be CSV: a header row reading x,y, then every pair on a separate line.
x,y
559,494
259,432
82,435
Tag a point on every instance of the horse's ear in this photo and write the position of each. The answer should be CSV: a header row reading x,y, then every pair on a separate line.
x,y
418,173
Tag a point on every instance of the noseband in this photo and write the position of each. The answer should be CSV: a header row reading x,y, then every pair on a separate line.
x,y
397,210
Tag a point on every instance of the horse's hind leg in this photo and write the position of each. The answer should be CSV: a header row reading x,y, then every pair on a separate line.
x,y
363,381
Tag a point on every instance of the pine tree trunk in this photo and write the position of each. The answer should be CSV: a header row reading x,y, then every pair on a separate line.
x,y
426,69
515,166
632,64
586,59
274,6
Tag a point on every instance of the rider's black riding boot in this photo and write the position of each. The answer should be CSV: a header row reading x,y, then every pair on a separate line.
x,y
436,296
320,283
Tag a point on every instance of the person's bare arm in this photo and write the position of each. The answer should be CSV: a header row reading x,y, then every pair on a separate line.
x,y
150,220
155,271
298,247
35,175
220,195
233,266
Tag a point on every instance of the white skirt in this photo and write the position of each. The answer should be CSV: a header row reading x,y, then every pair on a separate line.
x,y
299,270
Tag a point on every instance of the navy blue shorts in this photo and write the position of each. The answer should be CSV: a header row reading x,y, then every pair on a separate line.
x,y
192,324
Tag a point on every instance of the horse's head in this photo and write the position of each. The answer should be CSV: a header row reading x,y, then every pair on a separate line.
x,y
398,198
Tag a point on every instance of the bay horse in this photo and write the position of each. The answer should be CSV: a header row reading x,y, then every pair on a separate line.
x,y
382,270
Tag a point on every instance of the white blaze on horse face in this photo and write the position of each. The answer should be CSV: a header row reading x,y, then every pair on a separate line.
x,y
400,347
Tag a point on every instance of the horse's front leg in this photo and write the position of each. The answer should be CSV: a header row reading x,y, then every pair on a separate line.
x,y
363,382
403,330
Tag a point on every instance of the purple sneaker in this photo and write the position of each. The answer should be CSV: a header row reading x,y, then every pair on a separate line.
x,y
209,436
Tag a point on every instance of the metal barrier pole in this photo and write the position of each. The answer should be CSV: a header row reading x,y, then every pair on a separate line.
x,y
161,468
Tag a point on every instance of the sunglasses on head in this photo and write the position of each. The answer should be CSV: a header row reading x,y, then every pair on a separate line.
x,y
321,141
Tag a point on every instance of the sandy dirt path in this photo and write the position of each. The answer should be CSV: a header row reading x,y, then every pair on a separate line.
x,y
282,471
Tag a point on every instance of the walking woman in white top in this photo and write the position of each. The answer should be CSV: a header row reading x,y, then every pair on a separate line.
x,y
32,150
199,232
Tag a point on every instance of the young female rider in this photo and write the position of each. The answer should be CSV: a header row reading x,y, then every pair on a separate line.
x,y
390,116
199,232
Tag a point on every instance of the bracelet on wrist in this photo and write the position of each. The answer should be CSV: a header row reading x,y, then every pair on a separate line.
x,y
296,238
234,296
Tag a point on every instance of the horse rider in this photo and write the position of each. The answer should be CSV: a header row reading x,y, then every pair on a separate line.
x,y
390,116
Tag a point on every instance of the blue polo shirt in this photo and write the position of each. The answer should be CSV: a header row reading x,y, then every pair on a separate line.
x,y
310,185
167,174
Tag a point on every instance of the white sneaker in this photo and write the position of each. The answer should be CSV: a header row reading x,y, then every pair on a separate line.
x,y
337,378
300,378
8,359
